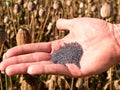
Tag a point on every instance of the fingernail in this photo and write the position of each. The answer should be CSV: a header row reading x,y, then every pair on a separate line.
x,y
4,56
29,70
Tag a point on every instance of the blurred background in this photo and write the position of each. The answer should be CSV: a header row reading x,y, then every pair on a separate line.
x,y
32,21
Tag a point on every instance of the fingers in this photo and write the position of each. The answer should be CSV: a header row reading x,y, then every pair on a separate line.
x,y
45,67
17,69
22,68
56,69
28,48
63,24
26,58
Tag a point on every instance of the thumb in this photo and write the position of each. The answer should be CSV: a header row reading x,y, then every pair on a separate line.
x,y
63,24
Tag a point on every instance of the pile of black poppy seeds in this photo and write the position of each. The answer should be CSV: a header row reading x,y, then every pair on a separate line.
x,y
69,53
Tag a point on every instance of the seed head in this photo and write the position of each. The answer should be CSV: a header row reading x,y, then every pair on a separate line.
x,y
69,3
119,12
89,1
81,5
49,27
23,36
106,10
25,5
35,2
6,19
118,1
41,11
94,8
56,4
31,6
20,2
80,11
70,53
16,8
8,3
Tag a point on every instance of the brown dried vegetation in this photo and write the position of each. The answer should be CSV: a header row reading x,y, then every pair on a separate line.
x,y
19,17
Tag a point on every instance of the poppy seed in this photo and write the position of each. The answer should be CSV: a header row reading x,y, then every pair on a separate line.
x,y
70,53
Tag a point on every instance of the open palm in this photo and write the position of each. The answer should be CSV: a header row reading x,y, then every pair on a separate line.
x,y
95,36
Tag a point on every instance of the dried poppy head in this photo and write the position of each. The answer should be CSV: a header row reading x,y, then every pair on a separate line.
x,y
69,2
16,8
106,10
56,4
6,19
23,36
31,6
20,2
41,11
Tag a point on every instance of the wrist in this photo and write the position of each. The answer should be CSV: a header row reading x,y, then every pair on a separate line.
x,y
116,32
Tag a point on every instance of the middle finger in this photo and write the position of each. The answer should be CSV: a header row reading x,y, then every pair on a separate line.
x,y
26,58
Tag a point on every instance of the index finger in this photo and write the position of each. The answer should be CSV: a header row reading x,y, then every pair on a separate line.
x,y
28,48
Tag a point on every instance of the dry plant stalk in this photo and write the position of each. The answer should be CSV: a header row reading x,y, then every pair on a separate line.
x,y
61,83
51,84
27,82
2,38
79,84
106,10
2,35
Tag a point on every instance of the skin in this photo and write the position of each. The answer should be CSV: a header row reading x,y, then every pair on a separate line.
x,y
99,40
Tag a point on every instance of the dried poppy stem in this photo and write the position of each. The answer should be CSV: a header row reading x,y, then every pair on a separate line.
x,y
28,82
1,50
44,25
1,84
6,82
32,25
61,82
111,84
72,83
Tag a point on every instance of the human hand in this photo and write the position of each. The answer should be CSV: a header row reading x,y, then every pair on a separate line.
x,y
100,50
